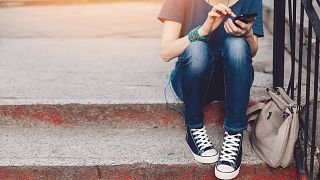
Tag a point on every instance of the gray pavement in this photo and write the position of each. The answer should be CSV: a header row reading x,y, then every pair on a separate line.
x,y
109,20
88,71
94,53
82,70
88,146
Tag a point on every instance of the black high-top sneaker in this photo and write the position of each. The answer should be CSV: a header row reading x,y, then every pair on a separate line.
x,y
228,166
201,146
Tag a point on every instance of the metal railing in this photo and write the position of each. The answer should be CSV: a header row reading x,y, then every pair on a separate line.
x,y
301,16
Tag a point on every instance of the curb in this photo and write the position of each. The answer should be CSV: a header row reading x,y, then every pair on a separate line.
x,y
110,115
142,171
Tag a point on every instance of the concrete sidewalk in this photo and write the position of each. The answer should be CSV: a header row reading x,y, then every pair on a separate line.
x,y
106,20
91,54
81,97
86,71
87,146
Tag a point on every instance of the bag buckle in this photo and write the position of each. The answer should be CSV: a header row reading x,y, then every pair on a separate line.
x,y
290,109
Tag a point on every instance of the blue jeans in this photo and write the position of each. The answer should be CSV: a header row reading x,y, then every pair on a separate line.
x,y
204,74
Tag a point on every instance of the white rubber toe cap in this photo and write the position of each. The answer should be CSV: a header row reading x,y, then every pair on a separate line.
x,y
225,168
211,152
226,172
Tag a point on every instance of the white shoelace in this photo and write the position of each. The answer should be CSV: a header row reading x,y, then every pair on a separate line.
x,y
201,138
230,147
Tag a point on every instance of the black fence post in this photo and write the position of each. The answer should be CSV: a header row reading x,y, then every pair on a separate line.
x,y
278,42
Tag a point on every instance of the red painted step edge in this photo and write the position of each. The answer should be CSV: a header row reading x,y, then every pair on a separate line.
x,y
123,115
142,171
112,115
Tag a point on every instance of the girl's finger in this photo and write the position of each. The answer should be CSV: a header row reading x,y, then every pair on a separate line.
x,y
242,24
225,28
232,32
234,28
229,11
220,10
228,28
213,14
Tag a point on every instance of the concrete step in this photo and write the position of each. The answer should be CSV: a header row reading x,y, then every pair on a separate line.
x,y
87,103
89,71
98,152
110,115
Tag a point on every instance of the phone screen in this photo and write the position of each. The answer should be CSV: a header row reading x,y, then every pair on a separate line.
x,y
246,18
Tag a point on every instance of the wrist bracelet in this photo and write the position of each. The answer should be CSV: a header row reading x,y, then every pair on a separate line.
x,y
193,35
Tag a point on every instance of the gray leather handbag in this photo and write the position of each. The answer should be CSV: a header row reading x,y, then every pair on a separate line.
x,y
274,128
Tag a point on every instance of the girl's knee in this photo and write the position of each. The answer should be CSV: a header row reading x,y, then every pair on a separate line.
x,y
197,57
237,52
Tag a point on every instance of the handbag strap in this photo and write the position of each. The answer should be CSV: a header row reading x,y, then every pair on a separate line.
x,y
285,96
254,111
255,108
253,117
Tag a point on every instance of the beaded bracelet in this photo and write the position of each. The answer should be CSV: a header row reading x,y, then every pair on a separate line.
x,y
193,35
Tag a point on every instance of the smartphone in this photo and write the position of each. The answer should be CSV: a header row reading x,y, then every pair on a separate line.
x,y
246,18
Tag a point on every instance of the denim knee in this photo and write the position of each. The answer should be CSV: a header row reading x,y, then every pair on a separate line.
x,y
193,77
237,49
237,55
197,58
239,76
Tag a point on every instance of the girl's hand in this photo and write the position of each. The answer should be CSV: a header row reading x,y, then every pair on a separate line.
x,y
243,29
214,19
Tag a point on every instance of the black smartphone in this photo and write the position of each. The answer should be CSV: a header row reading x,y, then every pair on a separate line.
x,y
246,18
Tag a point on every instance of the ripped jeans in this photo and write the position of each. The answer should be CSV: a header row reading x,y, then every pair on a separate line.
x,y
203,74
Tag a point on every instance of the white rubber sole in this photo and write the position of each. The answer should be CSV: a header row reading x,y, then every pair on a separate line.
x,y
229,175
206,159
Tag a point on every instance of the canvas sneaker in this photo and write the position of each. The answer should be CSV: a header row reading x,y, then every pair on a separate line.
x,y
201,146
228,166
